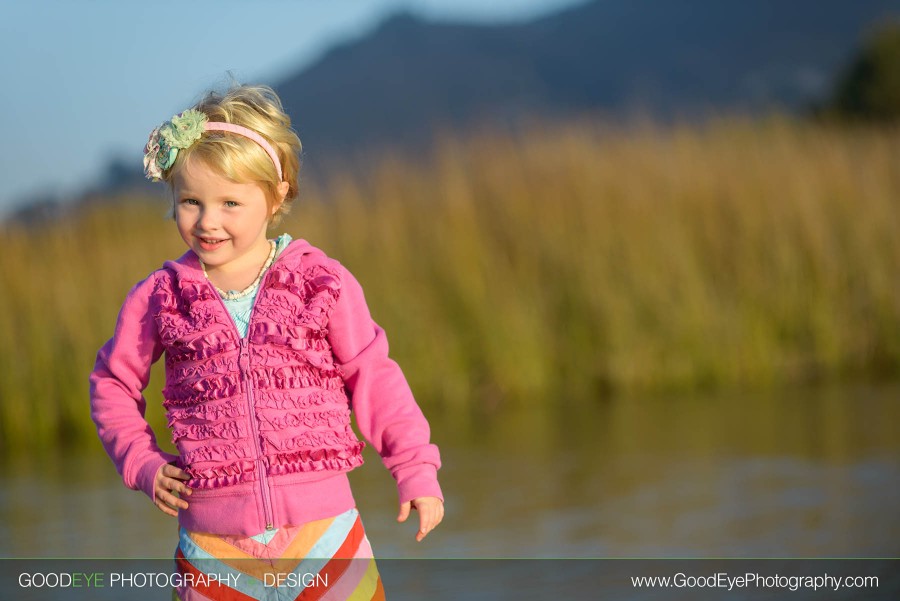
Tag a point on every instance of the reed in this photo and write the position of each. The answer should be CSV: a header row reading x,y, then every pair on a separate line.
x,y
564,264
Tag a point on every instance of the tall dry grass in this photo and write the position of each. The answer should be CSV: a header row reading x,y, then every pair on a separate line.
x,y
561,265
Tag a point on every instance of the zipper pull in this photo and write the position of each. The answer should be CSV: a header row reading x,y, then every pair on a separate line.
x,y
244,356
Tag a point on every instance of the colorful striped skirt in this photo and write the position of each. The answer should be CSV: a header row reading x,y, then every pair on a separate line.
x,y
327,560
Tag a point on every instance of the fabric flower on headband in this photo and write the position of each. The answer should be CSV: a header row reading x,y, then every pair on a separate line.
x,y
170,137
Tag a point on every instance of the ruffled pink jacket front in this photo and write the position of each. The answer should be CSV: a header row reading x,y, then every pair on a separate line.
x,y
261,423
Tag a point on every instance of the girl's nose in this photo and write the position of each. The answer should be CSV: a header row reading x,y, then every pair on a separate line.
x,y
207,220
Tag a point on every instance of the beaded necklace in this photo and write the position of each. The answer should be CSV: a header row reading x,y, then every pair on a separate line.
x,y
234,295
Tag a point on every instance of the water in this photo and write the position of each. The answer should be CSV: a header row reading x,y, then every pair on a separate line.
x,y
792,474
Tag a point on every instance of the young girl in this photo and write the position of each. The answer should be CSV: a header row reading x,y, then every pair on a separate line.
x,y
268,345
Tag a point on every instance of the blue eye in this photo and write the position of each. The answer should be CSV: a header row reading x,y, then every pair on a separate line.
x,y
231,203
189,201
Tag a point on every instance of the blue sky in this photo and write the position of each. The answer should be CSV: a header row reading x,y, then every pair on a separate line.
x,y
86,80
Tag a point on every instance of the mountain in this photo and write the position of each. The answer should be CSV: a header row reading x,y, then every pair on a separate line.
x,y
666,58
663,57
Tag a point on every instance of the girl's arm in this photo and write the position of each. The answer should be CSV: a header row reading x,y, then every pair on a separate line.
x,y
386,412
120,375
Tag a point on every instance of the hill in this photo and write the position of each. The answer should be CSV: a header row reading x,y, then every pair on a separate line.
x,y
660,58
663,58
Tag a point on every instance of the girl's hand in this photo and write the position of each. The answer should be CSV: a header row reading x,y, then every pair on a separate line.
x,y
169,479
431,512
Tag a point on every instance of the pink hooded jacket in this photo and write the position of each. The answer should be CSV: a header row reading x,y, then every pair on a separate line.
x,y
261,423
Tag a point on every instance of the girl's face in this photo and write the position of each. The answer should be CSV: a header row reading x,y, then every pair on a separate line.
x,y
222,221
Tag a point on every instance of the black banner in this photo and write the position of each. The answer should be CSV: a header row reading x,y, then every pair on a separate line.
x,y
474,579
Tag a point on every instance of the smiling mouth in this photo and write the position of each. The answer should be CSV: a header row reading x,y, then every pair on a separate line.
x,y
210,243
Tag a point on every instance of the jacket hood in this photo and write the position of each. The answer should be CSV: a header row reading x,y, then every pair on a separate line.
x,y
188,264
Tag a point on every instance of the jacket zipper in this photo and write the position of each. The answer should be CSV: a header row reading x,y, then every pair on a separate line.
x,y
244,365
244,362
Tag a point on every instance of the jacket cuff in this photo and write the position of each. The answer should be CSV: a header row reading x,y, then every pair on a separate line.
x,y
418,481
146,476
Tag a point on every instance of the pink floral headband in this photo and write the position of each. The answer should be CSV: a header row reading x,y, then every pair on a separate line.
x,y
185,129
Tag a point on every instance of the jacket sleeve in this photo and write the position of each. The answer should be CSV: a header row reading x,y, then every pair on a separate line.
x,y
386,412
120,375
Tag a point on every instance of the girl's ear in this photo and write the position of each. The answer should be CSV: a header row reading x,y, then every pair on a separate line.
x,y
283,188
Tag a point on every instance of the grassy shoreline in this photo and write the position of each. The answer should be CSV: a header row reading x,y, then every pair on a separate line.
x,y
569,263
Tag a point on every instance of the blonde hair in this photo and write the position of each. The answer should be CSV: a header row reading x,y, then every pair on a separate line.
x,y
239,158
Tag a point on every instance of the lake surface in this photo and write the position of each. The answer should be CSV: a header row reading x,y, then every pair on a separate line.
x,y
787,474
